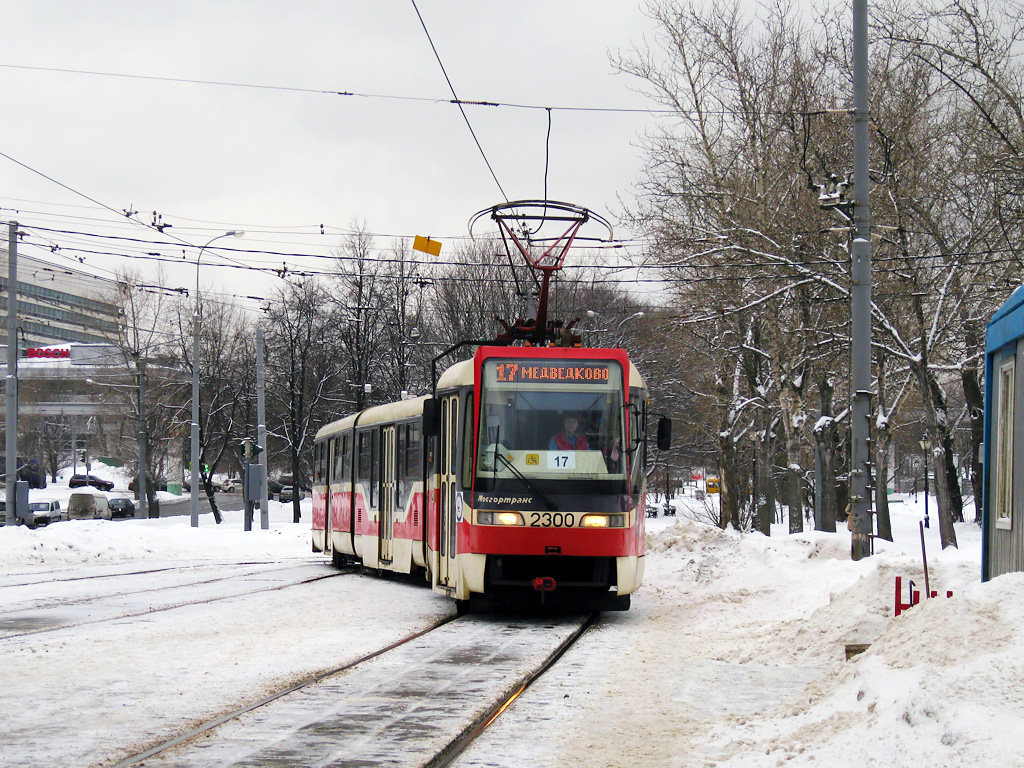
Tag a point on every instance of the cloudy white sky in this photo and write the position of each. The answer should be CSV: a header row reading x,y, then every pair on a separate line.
x,y
279,162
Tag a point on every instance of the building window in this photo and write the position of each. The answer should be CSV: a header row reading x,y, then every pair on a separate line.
x,y
1004,446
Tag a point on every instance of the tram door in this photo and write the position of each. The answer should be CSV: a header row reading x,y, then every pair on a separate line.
x,y
388,493
325,471
449,498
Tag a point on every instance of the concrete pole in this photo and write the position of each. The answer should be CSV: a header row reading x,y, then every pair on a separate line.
x,y
860,298
142,511
11,384
261,430
194,462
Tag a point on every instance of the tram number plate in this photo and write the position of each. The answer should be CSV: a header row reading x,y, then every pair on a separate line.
x,y
552,519
561,460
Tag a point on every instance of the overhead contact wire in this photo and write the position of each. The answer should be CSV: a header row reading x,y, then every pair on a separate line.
x,y
458,102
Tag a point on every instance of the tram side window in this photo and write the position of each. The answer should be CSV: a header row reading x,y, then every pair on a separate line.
x,y
321,462
375,465
363,459
400,448
467,443
347,442
446,438
340,468
637,442
413,451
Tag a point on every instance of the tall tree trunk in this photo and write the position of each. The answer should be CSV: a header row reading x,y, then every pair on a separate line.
x,y
956,499
296,483
207,481
728,484
825,437
937,429
765,484
976,407
793,417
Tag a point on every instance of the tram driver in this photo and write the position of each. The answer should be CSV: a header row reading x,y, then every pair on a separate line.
x,y
569,439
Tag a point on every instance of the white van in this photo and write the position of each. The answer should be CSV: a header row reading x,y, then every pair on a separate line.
x,y
88,505
45,512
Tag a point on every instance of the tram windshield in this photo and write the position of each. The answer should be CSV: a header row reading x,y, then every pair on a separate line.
x,y
544,420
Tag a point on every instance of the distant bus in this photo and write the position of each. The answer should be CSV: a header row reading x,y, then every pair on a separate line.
x,y
712,485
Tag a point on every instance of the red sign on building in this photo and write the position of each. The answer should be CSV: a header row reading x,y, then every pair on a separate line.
x,y
46,352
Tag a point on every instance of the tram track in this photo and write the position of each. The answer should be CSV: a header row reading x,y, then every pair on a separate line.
x,y
464,740
419,701
304,683
30,620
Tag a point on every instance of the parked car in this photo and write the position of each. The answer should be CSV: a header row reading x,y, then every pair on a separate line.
x,y
45,512
88,505
186,486
233,485
81,481
121,508
290,492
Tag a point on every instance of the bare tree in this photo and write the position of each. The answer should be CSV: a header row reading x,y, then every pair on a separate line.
x,y
227,384
304,376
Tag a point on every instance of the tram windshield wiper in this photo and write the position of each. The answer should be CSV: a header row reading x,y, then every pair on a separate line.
x,y
522,478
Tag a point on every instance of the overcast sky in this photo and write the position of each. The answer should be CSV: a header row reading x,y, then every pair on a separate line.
x,y
272,160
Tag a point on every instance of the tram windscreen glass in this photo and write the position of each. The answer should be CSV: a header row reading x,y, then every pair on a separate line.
x,y
549,420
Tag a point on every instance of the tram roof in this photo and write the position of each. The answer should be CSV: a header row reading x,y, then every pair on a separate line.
x,y
388,412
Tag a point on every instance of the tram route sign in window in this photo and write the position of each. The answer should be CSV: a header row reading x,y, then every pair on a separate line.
x,y
545,372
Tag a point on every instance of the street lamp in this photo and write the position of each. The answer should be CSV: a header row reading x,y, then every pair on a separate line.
x,y
926,446
194,464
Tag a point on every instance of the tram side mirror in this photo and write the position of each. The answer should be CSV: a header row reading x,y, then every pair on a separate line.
x,y
664,433
431,417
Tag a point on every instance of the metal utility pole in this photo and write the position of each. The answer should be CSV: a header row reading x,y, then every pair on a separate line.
x,y
261,431
194,460
11,391
142,510
860,298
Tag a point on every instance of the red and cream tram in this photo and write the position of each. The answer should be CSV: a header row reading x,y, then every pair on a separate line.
x,y
480,489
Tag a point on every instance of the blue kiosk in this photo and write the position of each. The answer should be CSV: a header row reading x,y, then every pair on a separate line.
x,y
1002,548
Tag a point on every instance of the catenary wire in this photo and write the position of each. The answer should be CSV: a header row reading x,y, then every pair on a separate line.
x,y
457,101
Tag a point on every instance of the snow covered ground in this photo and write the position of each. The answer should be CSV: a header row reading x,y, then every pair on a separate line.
x,y
733,653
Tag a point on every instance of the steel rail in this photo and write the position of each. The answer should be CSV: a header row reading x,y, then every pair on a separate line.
x,y
458,745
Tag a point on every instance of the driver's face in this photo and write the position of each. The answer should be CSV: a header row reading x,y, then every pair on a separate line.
x,y
570,425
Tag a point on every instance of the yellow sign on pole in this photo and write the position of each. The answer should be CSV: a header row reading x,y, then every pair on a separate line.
x,y
425,244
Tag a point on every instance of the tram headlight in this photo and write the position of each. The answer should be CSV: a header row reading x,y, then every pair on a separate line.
x,y
499,518
603,521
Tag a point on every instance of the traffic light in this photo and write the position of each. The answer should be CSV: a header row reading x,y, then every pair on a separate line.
x,y
250,449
